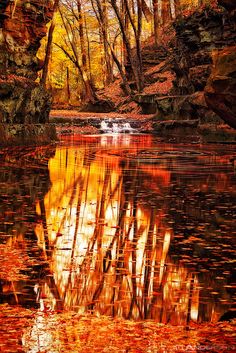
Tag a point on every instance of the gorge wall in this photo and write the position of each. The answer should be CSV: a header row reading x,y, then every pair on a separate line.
x,y
24,104
201,58
200,41
220,91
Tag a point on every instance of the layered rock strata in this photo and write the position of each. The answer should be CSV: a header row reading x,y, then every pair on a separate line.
x,y
201,58
199,37
220,91
22,100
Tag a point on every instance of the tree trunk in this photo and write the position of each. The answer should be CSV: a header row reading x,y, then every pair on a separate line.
x,y
81,37
177,7
109,73
68,84
126,87
126,27
89,91
146,11
138,44
49,47
88,94
134,60
155,19
166,11
88,46
101,15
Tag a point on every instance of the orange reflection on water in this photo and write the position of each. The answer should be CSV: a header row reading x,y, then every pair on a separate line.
x,y
106,234
109,251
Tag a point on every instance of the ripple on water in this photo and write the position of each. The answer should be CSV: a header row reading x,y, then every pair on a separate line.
x,y
120,225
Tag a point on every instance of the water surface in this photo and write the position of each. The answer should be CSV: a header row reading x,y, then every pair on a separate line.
x,y
119,225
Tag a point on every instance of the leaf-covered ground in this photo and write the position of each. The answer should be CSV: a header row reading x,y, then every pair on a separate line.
x,y
35,331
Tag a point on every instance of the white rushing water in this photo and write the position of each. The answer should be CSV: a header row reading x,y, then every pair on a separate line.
x,y
115,128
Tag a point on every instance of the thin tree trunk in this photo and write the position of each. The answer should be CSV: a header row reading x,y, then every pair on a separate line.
x,y
133,62
68,84
138,43
49,47
126,87
177,7
137,33
146,11
109,73
124,15
101,15
165,11
88,47
155,19
89,93
86,74
81,36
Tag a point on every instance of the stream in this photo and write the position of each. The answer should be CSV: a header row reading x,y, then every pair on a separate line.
x,y
119,225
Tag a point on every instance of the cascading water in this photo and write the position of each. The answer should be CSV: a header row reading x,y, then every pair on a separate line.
x,y
105,128
128,128
115,128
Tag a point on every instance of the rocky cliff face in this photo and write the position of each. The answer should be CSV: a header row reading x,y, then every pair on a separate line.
x,y
199,37
203,46
220,91
22,26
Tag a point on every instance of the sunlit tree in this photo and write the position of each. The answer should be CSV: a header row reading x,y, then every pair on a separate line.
x,y
91,41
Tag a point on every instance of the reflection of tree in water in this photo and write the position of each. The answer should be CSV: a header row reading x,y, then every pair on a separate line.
x,y
24,179
122,266
122,238
113,261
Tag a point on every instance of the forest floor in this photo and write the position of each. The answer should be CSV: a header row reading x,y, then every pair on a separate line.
x,y
75,114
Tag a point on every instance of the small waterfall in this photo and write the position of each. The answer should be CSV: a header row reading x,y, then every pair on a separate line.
x,y
115,128
105,128
128,128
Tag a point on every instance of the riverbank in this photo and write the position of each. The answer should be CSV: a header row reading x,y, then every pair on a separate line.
x,y
75,122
